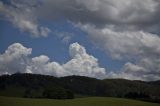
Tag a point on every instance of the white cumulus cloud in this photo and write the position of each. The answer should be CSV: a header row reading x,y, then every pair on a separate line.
x,y
14,59
17,59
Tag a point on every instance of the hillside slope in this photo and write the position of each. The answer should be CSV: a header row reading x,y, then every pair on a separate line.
x,y
31,85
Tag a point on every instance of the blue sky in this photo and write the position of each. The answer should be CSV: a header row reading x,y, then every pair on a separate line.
x,y
52,45
95,38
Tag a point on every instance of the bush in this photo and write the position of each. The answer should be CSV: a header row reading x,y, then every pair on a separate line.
x,y
136,95
58,93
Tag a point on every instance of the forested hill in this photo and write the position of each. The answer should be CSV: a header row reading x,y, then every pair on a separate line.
x,y
42,86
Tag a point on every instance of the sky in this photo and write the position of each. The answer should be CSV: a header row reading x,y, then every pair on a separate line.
x,y
94,38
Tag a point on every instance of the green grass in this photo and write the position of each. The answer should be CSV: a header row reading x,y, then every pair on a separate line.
x,y
90,101
13,91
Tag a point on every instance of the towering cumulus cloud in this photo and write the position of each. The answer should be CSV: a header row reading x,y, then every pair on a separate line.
x,y
14,59
17,59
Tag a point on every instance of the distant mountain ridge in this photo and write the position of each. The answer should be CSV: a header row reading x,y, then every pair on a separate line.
x,y
41,86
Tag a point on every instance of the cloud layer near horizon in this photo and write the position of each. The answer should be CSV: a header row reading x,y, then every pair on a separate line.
x,y
17,59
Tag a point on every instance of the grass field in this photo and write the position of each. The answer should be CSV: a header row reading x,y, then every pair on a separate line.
x,y
90,101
